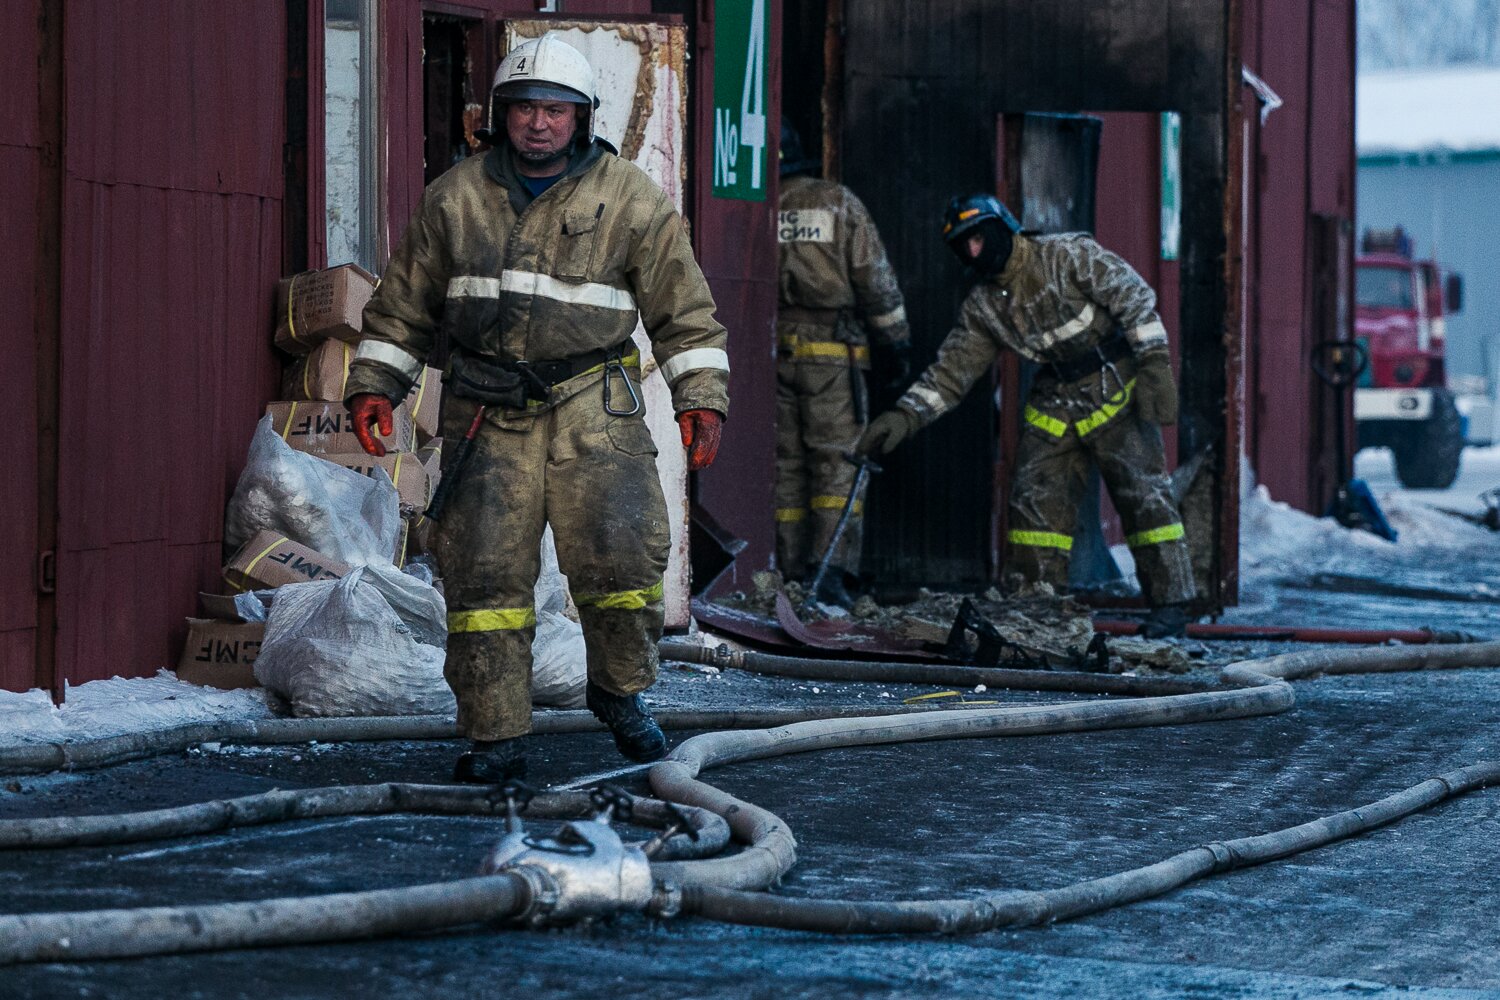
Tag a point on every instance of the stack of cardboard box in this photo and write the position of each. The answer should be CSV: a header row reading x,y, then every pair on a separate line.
x,y
319,323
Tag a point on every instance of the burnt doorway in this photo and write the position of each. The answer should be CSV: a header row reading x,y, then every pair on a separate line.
x,y
1048,173
805,47
453,102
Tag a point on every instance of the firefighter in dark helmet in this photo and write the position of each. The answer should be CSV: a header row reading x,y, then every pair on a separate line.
x,y
1102,390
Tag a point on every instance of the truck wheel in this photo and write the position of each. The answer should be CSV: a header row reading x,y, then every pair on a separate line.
x,y
1428,456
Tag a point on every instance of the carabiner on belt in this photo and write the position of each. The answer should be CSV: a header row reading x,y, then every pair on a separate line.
x,y
617,364
1105,374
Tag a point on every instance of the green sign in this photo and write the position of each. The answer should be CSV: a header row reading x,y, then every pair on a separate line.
x,y
1171,184
741,28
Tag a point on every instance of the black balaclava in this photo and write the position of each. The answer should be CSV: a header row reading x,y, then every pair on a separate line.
x,y
998,241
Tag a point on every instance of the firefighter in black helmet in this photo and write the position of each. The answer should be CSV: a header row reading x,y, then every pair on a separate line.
x,y
1103,388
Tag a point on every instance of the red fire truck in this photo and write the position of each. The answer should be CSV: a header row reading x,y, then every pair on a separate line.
x,y
1402,400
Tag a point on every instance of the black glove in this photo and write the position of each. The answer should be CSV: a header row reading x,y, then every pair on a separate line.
x,y
898,362
1155,390
886,432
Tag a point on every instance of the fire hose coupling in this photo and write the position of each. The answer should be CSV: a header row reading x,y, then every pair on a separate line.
x,y
582,872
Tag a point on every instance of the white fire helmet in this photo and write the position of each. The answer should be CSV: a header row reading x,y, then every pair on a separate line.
x,y
543,69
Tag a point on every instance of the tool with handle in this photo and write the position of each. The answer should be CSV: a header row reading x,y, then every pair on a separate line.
x,y
455,468
866,466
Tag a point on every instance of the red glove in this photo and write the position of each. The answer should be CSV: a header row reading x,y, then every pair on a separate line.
x,y
700,436
369,408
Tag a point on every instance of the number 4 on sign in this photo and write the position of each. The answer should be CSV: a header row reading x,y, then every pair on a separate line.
x,y
753,121
726,148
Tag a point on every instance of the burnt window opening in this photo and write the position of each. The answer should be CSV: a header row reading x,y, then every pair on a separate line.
x,y
450,109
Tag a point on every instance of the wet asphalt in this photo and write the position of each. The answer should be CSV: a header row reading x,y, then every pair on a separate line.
x,y
1411,910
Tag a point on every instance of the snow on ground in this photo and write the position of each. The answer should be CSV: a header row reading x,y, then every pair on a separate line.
x,y
101,709
1299,569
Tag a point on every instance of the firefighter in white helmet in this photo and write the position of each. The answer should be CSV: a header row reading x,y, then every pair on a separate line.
x,y
533,262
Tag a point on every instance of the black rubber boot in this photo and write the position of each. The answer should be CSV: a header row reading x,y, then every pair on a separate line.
x,y
832,589
1167,621
492,762
637,736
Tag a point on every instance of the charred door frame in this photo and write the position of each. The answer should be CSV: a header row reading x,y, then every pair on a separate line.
x,y
1094,56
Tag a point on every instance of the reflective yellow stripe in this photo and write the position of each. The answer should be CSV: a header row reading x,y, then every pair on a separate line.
x,y
622,600
804,349
1102,415
801,349
631,360
835,503
1053,426
491,620
1166,533
787,515
1042,540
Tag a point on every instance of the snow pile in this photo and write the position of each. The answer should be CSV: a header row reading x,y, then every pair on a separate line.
x,y
1278,541
117,706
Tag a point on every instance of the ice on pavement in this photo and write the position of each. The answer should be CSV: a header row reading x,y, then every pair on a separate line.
x,y
100,709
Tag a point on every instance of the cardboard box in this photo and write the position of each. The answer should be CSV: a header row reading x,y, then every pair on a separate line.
x,y
426,404
223,607
419,537
270,560
221,654
414,473
324,374
324,427
319,375
402,538
320,305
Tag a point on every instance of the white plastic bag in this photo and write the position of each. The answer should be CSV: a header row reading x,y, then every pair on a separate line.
x,y
338,648
559,668
336,511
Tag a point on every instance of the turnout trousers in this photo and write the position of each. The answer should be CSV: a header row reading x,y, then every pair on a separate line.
x,y
1066,428
592,476
816,422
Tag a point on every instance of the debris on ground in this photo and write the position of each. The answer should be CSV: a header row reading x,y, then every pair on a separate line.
x,y
1047,626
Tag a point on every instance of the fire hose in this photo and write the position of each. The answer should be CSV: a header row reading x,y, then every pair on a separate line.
x,y
525,879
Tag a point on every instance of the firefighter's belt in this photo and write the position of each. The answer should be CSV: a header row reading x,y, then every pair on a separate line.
x,y
1081,364
512,384
817,317
799,349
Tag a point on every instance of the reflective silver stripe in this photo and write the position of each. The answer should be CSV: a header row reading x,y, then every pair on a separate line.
x,y
1070,329
679,365
585,294
468,286
884,320
1147,334
408,364
919,397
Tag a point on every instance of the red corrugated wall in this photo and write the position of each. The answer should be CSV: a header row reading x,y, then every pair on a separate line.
x,y
171,247
1301,162
20,191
